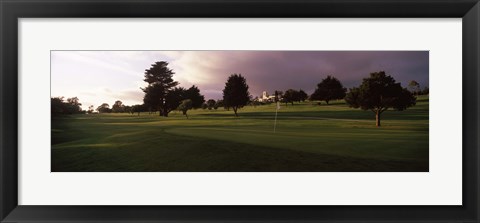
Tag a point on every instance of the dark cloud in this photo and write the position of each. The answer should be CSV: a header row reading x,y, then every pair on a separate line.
x,y
106,76
281,70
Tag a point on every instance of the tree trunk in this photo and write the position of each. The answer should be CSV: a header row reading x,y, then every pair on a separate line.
x,y
327,101
377,117
235,110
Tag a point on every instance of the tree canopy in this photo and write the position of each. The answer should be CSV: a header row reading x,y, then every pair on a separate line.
x,y
292,95
173,99
118,107
414,87
162,93
152,98
90,109
211,104
138,108
378,93
185,105
193,93
301,95
278,95
71,106
329,89
159,73
235,93
104,108
289,96
219,104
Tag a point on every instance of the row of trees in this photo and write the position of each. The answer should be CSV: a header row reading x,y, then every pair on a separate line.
x,y
61,107
117,107
330,89
377,93
162,93
212,104
414,87
291,96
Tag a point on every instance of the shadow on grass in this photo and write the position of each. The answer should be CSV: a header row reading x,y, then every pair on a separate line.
x,y
190,154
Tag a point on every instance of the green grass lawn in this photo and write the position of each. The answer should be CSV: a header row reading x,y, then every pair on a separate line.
x,y
308,137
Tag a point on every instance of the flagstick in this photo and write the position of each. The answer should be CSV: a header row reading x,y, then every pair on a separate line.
x,y
275,125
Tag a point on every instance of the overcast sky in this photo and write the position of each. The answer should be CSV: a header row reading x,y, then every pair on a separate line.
x,y
106,76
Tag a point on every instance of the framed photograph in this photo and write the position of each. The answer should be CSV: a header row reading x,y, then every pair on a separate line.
x,y
225,111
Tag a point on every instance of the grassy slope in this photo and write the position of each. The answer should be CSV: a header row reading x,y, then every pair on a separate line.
x,y
308,138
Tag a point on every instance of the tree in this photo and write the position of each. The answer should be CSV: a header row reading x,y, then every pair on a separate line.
x,y
90,109
74,101
173,99
290,96
204,106
414,87
104,108
118,107
255,102
302,95
219,104
151,98
138,109
127,109
235,93
278,96
61,107
185,105
329,89
160,82
73,106
193,93
211,104
378,93
425,91
57,106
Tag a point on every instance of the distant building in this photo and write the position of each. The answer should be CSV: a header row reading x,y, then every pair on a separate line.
x,y
266,98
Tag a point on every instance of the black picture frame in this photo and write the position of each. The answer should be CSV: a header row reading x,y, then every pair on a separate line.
x,y
12,10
